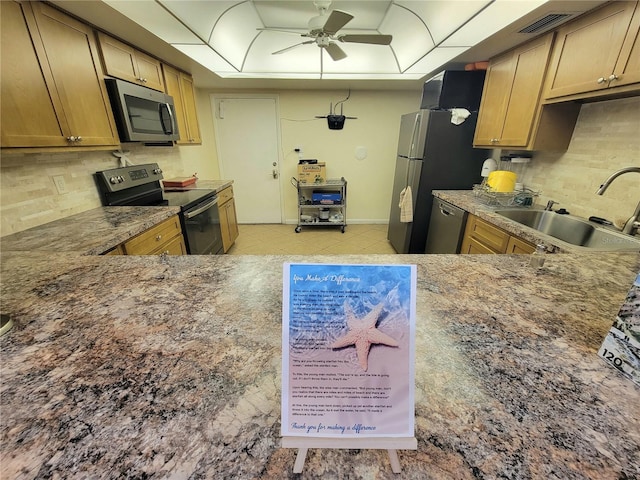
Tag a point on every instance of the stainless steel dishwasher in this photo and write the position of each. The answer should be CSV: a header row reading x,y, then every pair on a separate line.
x,y
446,228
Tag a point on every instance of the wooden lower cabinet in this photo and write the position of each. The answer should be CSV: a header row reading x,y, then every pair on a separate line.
x,y
165,238
483,237
228,218
517,245
118,250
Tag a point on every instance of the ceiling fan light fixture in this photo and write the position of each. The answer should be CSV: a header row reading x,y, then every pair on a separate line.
x,y
316,24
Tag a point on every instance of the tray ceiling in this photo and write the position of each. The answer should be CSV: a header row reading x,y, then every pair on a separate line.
x,y
224,36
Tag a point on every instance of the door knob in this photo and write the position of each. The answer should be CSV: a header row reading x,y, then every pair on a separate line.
x,y
275,173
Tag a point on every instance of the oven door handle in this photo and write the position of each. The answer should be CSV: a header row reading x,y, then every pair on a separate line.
x,y
192,213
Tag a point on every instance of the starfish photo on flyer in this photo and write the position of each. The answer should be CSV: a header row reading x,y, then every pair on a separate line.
x,y
363,333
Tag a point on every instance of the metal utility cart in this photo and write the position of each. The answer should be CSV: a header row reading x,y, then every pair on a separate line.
x,y
322,203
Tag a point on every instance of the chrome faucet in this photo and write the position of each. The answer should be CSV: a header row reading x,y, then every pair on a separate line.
x,y
632,225
550,204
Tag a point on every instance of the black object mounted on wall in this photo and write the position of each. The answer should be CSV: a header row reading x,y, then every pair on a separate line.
x,y
334,121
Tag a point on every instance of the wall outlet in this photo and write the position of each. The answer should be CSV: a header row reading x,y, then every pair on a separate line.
x,y
60,184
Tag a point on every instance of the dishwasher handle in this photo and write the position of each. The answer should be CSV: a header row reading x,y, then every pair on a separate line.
x,y
447,211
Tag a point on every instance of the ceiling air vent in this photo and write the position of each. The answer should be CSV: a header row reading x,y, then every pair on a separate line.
x,y
546,22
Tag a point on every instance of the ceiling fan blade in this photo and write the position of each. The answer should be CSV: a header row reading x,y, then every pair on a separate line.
x,y
335,52
371,39
292,47
337,19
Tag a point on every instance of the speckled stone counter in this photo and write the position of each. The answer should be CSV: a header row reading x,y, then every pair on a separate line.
x,y
217,185
466,200
151,367
88,233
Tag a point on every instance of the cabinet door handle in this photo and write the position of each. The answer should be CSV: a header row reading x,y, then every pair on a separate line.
x,y
613,77
158,238
495,140
601,80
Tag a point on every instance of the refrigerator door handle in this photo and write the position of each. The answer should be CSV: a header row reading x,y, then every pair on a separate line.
x,y
414,136
411,170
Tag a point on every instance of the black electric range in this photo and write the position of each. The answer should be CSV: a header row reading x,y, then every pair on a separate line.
x,y
139,185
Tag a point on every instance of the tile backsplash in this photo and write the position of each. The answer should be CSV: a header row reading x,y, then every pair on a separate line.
x,y
28,195
606,139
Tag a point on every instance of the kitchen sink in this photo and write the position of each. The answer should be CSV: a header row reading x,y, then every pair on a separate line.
x,y
573,230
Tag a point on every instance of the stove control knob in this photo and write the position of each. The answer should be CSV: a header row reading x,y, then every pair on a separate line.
x,y
120,179
113,180
157,171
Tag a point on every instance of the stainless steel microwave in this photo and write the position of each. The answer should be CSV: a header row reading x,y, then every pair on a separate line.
x,y
142,114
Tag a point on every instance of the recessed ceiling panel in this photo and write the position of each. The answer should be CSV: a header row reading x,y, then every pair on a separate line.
x,y
300,59
411,40
443,17
296,14
234,32
200,16
363,59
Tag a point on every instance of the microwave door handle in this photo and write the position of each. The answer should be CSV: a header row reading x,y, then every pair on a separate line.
x,y
173,121
161,106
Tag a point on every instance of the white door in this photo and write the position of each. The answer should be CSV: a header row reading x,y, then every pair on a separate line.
x,y
246,131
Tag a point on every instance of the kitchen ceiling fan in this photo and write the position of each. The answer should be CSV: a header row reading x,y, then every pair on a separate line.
x,y
323,30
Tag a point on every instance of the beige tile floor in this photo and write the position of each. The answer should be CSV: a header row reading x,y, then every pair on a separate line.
x,y
272,239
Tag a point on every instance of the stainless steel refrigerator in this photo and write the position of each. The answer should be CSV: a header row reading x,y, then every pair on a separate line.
x,y
435,154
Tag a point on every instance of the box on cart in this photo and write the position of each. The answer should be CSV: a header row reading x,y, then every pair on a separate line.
x,y
326,197
312,173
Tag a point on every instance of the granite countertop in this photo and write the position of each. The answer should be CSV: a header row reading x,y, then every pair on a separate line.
x,y
92,232
467,200
152,367
217,185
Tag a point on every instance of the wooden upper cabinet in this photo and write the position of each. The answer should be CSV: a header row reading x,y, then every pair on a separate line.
x,y
53,94
125,62
180,86
596,52
511,115
189,98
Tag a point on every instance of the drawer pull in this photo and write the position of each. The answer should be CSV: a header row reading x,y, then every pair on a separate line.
x,y
158,238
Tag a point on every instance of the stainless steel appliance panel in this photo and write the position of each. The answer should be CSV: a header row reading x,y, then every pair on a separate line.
x,y
412,135
449,162
446,228
445,154
201,228
142,114
407,174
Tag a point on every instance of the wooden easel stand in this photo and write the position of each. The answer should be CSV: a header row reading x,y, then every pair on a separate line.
x,y
391,444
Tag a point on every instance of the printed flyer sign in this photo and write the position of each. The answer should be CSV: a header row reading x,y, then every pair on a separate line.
x,y
621,346
348,350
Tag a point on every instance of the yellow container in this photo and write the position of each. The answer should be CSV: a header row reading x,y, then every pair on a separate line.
x,y
502,181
